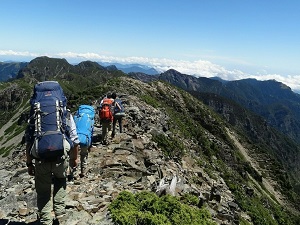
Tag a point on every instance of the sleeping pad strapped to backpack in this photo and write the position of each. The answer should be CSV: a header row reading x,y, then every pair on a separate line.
x,y
84,120
47,128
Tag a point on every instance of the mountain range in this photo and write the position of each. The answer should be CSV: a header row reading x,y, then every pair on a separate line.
x,y
243,135
9,70
132,68
272,100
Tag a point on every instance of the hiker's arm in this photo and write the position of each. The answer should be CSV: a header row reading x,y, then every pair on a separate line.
x,y
74,155
75,140
29,163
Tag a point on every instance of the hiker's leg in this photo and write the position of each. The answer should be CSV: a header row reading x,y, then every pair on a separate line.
x,y
104,131
60,183
83,159
43,181
120,123
114,127
109,126
109,129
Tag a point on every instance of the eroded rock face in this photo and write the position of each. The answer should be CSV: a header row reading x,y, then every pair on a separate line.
x,y
131,161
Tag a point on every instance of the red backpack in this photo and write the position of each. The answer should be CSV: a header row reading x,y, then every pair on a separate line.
x,y
105,112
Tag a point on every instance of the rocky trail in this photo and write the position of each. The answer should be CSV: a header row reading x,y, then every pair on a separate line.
x,y
130,161
124,164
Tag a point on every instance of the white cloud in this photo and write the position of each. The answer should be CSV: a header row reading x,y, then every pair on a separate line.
x,y
198,68
14,53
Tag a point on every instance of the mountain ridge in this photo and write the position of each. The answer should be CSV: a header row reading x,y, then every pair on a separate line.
x,y
272,100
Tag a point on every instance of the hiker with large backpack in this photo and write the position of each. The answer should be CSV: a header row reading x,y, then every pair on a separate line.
x,y
84,120
48,148
106,116
118,114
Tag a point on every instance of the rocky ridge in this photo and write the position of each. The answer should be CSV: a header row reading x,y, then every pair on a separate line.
x,y
131,161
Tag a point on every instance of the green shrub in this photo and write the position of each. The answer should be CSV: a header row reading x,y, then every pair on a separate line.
x,y
150,100
171,147
146,208
190,199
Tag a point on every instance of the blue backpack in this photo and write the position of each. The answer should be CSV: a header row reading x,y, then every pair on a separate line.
x,y
84,120
47,128
119,108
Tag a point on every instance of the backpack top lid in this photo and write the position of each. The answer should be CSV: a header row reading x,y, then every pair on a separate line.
x,y
48,89
86,109
107,101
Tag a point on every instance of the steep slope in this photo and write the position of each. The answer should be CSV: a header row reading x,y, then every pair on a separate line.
x,y
269,145
9,70
167,132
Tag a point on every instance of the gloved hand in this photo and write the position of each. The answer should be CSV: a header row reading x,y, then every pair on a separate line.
x,y
31,170
74,163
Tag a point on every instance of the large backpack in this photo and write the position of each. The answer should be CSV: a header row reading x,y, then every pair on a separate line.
x,y
84,119
118,108
47,126
105,112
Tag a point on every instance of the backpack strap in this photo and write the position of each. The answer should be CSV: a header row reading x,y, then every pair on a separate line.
x,y
58,111
37,116
117,104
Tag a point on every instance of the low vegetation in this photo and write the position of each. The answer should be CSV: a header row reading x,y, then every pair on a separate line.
x,y
146,208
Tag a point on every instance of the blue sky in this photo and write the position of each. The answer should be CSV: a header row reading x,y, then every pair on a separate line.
x,y
233,39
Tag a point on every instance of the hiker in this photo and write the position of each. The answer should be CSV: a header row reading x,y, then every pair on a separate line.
x,y
84,120
118,115
48,148
74,138
106,116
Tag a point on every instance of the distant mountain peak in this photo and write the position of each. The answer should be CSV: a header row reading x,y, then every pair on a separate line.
x,y
132,68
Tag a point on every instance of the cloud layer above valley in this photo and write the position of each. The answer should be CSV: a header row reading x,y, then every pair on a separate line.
x,y
198,68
